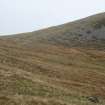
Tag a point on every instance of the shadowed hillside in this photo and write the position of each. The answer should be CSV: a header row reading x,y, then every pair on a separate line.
x,y
61,65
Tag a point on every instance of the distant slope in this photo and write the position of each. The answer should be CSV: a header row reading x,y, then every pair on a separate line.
x,y
86,32
62,65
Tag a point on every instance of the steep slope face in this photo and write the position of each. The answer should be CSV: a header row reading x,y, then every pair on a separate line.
x,y
55,66
86,32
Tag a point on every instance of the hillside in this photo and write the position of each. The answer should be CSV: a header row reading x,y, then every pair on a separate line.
x,y
61,65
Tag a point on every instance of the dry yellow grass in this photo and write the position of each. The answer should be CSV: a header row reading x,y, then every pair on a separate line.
x,y
40,70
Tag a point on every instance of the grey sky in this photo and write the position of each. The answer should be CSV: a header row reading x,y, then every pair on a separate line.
x,y
27,15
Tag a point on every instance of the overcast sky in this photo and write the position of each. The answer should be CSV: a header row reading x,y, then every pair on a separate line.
x,y
18,16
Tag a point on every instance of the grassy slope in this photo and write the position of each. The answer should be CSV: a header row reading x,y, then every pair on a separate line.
x,y
55,66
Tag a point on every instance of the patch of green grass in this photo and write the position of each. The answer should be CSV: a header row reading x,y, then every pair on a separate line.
x,y
23,86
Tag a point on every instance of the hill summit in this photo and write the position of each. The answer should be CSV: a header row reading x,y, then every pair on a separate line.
x,y
86,32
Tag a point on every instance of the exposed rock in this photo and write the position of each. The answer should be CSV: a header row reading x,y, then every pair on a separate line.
x,y
93,99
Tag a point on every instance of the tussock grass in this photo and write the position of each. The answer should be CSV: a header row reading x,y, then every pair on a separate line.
x,y
57,66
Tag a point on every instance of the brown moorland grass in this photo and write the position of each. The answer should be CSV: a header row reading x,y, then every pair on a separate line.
x,y
53,66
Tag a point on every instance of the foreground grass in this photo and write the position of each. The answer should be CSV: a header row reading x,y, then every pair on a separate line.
x,y
54,79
